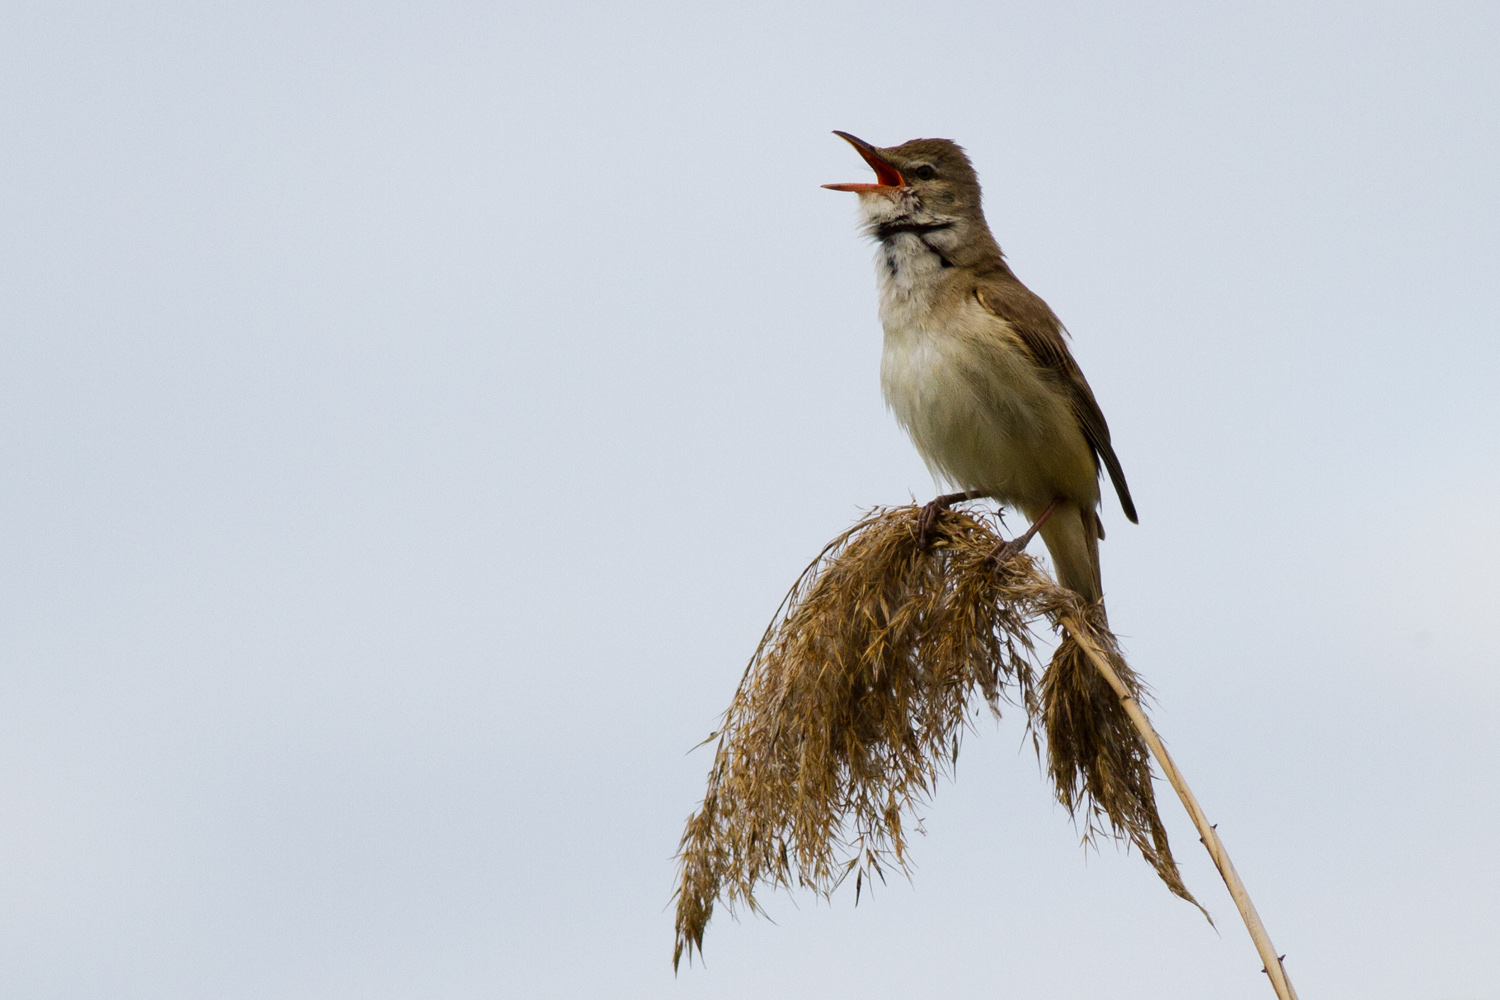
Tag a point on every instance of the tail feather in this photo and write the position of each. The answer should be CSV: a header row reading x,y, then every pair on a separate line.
x,y
1072,537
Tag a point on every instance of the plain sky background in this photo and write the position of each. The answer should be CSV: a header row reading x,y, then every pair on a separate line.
x,y
410,415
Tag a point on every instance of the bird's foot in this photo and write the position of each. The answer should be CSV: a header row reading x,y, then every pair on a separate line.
x,y
928,518
1006,551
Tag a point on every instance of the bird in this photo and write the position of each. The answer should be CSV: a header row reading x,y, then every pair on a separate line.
x,y
976,367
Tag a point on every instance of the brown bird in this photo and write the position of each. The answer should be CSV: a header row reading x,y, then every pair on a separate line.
x,y
976,366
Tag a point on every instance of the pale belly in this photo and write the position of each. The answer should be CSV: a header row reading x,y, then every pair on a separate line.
x,y
982,417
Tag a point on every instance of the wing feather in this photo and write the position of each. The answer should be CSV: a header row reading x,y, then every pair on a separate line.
x,y
1042,334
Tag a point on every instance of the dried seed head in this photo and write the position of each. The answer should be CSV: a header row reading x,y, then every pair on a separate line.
x,y
855,702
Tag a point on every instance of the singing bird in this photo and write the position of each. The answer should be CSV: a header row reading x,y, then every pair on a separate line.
x,y
976,366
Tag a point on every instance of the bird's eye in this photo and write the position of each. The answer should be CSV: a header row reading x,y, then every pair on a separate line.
x,y
924,172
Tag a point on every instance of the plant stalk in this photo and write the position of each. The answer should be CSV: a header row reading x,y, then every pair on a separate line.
x,y
1210,837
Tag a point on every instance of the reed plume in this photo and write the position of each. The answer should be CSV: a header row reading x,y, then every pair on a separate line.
x,y
856,701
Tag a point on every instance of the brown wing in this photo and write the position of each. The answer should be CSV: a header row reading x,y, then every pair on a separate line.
x,y
1040,331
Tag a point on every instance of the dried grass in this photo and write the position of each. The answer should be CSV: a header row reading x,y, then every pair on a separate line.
x,y
1099,765
855,703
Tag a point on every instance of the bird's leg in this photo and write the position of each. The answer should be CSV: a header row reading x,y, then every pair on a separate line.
x,y
1006,551
930,512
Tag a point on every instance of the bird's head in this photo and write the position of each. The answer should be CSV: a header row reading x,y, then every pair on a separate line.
x,y
922,181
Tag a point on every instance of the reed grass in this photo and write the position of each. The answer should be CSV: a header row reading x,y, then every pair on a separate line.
x,y
856,701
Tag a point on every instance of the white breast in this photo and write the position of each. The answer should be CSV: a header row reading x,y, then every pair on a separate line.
x,y
973,404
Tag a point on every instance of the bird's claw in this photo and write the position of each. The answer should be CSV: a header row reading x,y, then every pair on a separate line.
x,y
1006,551
927,520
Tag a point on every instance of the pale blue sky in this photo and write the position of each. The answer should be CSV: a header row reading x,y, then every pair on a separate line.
x,y
410,415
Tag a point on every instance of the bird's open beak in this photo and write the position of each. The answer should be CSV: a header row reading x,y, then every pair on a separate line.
x,y
887,177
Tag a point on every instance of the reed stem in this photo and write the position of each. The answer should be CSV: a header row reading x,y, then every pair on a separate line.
x,y
1210,837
